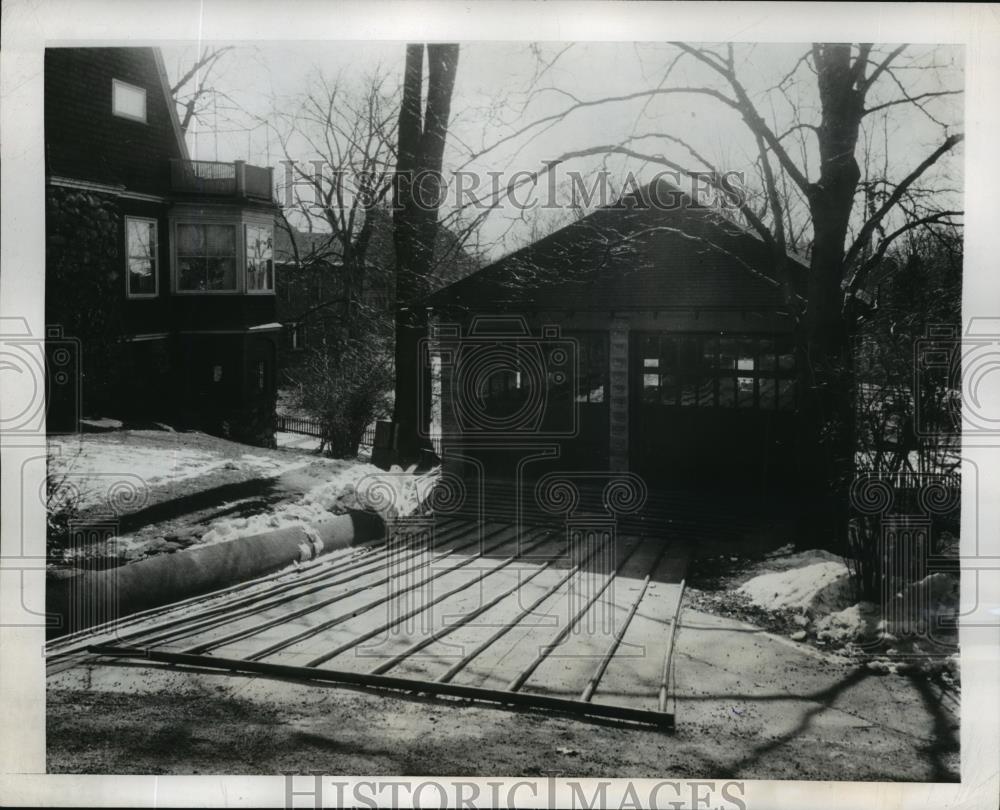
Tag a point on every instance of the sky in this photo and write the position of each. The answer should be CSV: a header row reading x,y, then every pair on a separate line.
x,y
502,86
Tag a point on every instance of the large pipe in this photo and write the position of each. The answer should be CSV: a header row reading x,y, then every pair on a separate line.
x,y
93,597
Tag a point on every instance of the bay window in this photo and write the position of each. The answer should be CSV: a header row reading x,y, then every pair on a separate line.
x,y
222,257
206,258
259,258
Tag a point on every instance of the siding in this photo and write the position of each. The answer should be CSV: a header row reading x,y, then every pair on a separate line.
x,y
85,140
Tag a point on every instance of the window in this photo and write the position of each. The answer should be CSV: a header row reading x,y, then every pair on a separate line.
x,y
260,263
206,258
140,253
261,375
718,371
592,382
128,101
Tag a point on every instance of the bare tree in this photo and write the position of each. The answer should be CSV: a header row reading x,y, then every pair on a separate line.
x,y
195,88
422,133
844,219
339,196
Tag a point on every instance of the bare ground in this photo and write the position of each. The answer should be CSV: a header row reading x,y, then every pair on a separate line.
x,y
750,705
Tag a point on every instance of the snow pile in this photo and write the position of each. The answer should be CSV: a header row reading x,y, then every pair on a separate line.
x,y
355,486
90,468
927,608
816,588
851,624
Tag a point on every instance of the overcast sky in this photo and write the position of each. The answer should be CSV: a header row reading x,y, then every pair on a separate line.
x,y
489,99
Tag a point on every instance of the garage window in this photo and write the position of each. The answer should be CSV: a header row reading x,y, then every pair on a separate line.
x,y
718,371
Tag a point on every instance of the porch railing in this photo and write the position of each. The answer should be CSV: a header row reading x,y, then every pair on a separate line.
x,y
218,178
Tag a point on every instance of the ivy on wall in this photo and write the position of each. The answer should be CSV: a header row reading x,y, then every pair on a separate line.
x,y
83,287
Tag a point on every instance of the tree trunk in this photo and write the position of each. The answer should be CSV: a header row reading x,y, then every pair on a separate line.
x,y
826,407
418,187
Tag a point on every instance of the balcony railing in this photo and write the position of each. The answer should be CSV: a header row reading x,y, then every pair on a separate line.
x,y
221,179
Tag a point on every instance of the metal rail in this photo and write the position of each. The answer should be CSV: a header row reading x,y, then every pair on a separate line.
x,y
544,653
354,642
468,617
502,631
252,604
595,679
296,614
300,612
309,632
152,639
434,688
668,653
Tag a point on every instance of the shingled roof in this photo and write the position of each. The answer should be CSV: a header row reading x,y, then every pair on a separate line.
x,y
633,254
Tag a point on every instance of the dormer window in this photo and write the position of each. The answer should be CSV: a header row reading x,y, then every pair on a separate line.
x,y
128,101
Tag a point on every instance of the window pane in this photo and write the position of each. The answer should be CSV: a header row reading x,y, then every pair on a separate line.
x,y
141,256
141,280
727,392
220,240
786,395
766,361
668,389
689,393
191,273
744,388
710,353
690,355
259,258
141,239
727,354
128,100
668,353
220,274
766,393
651,388
190,240
706,392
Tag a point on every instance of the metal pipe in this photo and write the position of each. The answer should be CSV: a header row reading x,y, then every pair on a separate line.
x,y
665,676
225,613
202,569
458,666
304,611
354,642
466,618
595,679
343,617
519,681
433,688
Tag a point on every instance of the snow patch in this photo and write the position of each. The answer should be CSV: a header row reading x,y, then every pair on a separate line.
x,y
816,588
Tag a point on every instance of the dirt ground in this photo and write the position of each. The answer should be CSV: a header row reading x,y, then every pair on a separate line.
x,y
749,705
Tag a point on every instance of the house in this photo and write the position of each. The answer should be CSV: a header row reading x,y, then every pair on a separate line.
x,y
310,281
643,337
172,256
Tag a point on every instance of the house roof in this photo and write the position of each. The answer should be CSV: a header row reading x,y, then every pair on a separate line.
x,y
631,254
85,141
